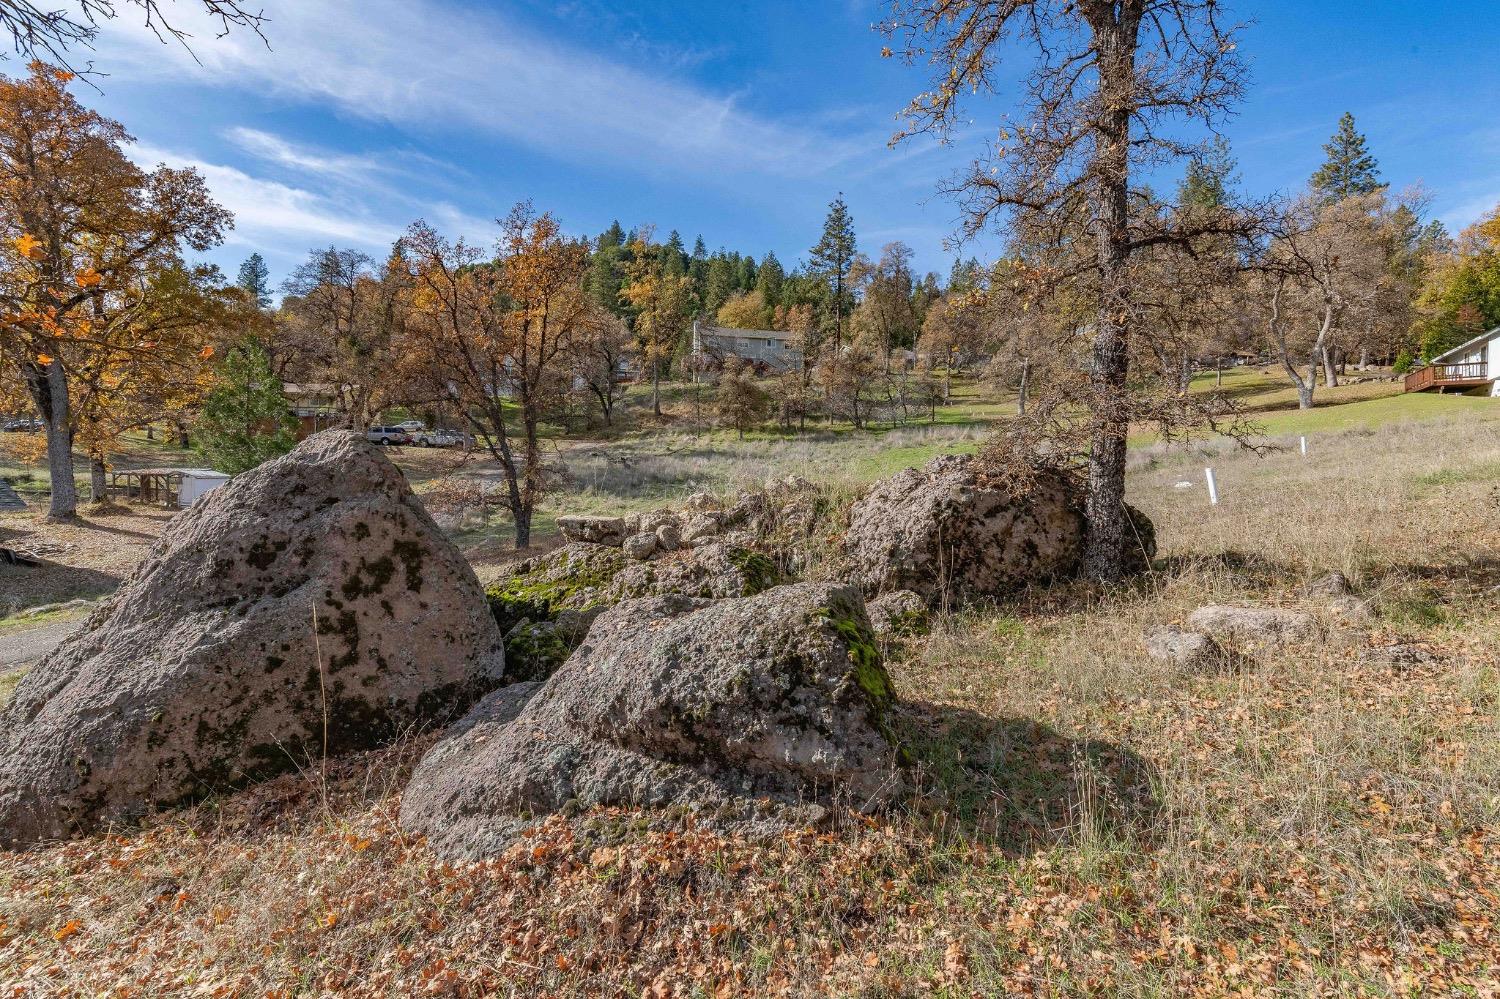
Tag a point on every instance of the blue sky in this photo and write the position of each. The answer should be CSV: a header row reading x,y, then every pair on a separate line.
x,y
736,120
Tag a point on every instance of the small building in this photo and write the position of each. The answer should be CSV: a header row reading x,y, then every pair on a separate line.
x,y
314,404
1469,367
167,487
196,482
764,348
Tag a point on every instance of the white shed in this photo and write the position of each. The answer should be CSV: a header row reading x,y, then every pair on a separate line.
x,y
196,482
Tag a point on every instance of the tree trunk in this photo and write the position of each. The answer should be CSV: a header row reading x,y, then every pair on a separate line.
x,y
64,502
523,528
1104,510
1305,391
1364,357
98,480
656,388
51,396
1330,369
1025,384
182,436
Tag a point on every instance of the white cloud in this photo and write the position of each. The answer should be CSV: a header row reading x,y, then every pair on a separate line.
x,y
272,215
436,66
1466,213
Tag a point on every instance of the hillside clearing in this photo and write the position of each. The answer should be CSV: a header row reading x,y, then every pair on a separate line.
x,y
1326,821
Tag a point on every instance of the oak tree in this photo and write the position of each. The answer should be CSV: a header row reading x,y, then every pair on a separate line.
x,y
1109,84
97,308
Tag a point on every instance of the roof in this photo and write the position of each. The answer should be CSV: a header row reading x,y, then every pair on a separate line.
x,y
731,331
1481,338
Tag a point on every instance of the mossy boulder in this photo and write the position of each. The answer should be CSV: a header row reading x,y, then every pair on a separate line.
x,y
951,534
582,579
309,603
750,713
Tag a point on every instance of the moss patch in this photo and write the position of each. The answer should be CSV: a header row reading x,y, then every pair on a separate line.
x,y
759,571
565,581
850,624
534,651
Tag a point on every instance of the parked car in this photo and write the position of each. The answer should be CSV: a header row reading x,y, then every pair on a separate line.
x,y
28,423
440,438
387,435
412,427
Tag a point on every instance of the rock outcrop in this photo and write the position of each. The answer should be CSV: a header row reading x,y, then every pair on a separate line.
x,y
308,603
1254,628
946,533
671,701
896,613
1189,651
582,578
774,519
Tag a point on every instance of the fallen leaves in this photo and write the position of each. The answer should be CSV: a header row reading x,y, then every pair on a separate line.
x,y
29,246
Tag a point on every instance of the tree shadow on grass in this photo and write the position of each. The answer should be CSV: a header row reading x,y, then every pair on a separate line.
x,y
1018,784
24,587
1249,569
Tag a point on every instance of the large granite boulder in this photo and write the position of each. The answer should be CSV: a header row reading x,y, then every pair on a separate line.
x,y
674,701
309,603
941,532
949,534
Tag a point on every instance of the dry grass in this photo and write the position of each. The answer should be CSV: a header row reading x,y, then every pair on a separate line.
x,y
83,559
1321,822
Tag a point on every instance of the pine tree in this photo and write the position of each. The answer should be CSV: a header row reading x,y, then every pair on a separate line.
x,y
255,280
245,418
1350,169
1208,178
768,281
613,237
832,258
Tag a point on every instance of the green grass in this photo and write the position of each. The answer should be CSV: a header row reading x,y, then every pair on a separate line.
x,y
879,464
8,682
1372,413
25,622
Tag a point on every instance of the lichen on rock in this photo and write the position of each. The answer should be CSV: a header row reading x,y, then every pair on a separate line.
x,y
676,702
309,602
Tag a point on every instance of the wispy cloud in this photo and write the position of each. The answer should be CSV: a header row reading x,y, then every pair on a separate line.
x,y
270,214
434,67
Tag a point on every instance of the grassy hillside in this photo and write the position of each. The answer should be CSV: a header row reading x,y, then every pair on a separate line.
x,y
1087,822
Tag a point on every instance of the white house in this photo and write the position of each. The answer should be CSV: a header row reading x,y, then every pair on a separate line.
x,y
1470,366
771,348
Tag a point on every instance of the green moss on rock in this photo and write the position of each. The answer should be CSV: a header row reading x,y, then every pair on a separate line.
x,y
759,571
534,651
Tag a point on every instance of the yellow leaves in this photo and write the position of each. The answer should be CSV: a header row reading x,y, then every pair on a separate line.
x,y
29,246
67,929
206,352
44,359
88,278
330,920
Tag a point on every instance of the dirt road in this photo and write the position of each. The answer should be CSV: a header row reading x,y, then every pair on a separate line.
x,y
27,645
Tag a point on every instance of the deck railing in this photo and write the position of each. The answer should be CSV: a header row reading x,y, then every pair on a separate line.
x,y
1427,376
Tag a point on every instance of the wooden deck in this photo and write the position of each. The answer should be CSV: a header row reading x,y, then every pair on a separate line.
x,y
1441,376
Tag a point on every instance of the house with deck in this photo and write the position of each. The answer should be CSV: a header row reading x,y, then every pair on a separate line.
x,y
1470,367
771,349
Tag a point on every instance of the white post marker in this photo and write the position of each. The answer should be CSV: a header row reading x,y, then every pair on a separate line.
x,y
1213,487
1304,446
